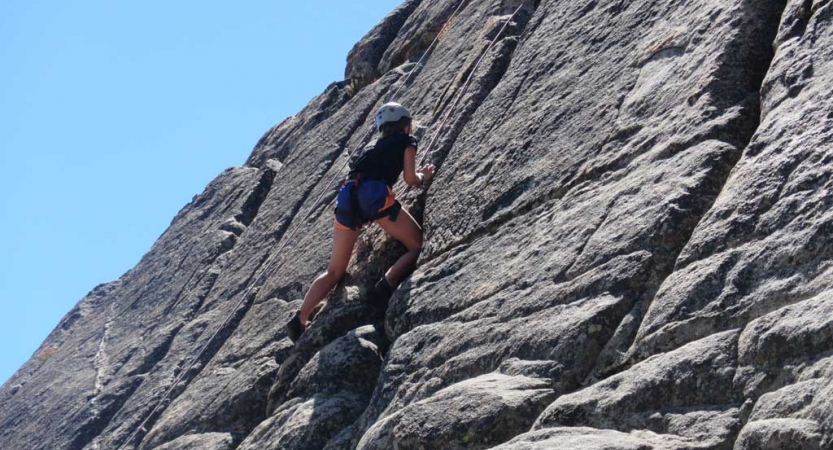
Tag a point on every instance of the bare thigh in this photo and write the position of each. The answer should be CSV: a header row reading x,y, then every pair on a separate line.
x,y
343,242
405,230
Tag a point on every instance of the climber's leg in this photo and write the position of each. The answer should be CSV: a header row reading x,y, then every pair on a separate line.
x,y
407,231
343,242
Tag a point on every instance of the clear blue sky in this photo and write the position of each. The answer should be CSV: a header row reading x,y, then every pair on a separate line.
x,y
114,114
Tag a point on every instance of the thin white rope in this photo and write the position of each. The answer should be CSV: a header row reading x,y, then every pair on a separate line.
x,y
437,38
450,111
403,85
285,239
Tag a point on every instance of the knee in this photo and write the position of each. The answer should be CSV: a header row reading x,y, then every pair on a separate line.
x,y
416,246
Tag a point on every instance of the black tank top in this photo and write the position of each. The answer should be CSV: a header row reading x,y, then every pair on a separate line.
x,y
384,159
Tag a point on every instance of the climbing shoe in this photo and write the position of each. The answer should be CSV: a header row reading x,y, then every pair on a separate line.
x,y
294,328
383,291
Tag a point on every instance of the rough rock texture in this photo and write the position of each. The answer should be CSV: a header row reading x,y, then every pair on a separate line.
x,y
211,441
581,438
629,245
471,414
687,393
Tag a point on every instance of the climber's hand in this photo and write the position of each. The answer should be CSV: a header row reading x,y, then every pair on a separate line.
x,y
427,171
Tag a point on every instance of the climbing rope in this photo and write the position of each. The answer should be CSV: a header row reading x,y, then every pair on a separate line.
x,y
393,97
286,239
449,111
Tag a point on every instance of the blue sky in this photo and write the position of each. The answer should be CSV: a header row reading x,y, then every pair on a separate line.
x,y
114,114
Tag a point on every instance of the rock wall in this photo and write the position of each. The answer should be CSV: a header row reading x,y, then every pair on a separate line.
x,y
628,246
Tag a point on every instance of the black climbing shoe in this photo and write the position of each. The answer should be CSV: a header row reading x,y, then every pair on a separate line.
x,y
383,291
294,328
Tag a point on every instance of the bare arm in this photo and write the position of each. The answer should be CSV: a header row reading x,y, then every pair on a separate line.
x,y
412,175
409,174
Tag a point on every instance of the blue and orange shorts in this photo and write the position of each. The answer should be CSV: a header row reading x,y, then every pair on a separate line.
x,y
371,200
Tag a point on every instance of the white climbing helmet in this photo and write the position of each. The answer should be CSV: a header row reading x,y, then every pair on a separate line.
x,y
391,112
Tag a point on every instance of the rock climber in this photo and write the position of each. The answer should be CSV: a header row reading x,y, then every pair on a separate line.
x,y
367,196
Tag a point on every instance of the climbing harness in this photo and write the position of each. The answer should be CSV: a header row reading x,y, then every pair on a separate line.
x,y
286,239
353,212
362,201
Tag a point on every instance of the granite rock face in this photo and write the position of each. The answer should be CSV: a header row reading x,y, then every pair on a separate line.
x,y
628,245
